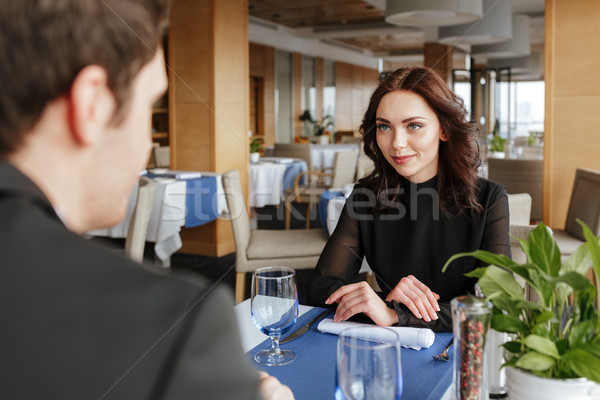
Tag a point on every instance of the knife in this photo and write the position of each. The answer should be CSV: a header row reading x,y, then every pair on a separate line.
x,y
302,330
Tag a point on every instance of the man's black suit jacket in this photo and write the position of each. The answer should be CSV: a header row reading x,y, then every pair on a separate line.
x,y
79,322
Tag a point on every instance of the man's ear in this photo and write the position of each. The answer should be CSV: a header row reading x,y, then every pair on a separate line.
x,y
91,106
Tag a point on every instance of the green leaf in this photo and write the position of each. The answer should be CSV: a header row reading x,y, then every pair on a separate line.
x,y
579,261
513,346
580,333
584,363
497,279
541,345
507,323
543,250
476,273
594,248
482,255
544,317
576,280
533,361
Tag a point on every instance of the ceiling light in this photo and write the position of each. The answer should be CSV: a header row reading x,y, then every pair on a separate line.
x,y
518,46
495,26
531,65
432,12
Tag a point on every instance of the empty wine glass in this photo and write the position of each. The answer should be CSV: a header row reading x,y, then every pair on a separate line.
x,y
274,308
368,364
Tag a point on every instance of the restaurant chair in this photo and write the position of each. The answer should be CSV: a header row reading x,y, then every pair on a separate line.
x,y
138,225
343,173
584,205
519,208
350,139
162,156
364,165
519,176
298,249
295,150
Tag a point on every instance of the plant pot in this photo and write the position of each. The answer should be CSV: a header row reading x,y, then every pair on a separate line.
x,y
522,385
254,157
324,139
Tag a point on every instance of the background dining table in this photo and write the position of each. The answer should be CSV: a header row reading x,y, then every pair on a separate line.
x,y
178,203
311,376
271,176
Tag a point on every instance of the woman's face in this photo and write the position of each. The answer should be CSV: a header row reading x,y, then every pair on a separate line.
x,y
408,135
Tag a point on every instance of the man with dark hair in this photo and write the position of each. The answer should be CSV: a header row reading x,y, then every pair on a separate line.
x,y
78,80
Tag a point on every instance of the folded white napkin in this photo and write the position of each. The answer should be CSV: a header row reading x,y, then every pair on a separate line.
x,y
412,338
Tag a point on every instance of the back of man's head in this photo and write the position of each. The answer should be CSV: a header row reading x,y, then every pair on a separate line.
x,y
45,44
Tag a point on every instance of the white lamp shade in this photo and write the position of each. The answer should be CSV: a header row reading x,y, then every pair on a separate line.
x,y
432,12
495,26
528,66
518,46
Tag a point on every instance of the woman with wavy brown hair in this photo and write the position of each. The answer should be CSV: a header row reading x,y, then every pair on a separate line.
x,y
423,203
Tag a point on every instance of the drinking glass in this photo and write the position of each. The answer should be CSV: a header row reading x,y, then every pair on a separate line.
x,y
368,364
274,308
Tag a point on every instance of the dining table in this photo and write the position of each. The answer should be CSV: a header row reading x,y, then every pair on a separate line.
x,y
271,176
182,199
311,376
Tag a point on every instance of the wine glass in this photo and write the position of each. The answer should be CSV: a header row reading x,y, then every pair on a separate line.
x,y
274,308
368,364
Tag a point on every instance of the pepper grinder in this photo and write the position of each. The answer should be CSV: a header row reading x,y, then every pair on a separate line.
x,y
470,322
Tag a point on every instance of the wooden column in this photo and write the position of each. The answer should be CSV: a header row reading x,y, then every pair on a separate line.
x,y
572,101
208,101
439,58
297,90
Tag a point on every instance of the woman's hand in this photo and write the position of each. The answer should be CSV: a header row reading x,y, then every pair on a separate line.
x,y
361,298
419,299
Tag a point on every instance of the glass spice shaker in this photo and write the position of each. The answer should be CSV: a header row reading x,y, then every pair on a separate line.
x,y
470,321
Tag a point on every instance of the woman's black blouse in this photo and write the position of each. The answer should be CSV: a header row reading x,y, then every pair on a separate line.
x,y
411,237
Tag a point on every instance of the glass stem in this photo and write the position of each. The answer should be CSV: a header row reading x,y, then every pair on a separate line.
x,y
275,350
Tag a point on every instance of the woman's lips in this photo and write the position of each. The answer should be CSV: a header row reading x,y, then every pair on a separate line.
x,y
402,159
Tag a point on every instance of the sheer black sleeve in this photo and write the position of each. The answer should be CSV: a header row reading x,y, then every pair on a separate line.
x,y
339,263
495,235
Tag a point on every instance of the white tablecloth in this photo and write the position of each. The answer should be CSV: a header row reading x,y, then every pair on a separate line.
x,y
266,183
323,154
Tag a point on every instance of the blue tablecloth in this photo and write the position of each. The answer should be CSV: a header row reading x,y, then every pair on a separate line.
x,y
323,201
201,199
311,376
291,172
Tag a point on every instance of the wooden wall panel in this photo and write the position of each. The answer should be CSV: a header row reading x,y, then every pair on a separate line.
x,y
572,56
319,85
354,85
297,89
439,58
262,64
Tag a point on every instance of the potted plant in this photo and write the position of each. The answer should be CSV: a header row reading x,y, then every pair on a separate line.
x,y
557,339
320,130
254,150
496,146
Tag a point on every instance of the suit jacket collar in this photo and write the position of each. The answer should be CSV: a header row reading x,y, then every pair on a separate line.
x,y
13,183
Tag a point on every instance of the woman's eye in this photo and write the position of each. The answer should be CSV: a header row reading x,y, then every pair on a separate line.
x,y
413,126
382,127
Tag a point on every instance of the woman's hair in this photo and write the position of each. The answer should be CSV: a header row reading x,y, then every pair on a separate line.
x,y
458,156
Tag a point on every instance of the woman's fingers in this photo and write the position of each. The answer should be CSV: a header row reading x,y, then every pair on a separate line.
x,y
360,298
417,297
